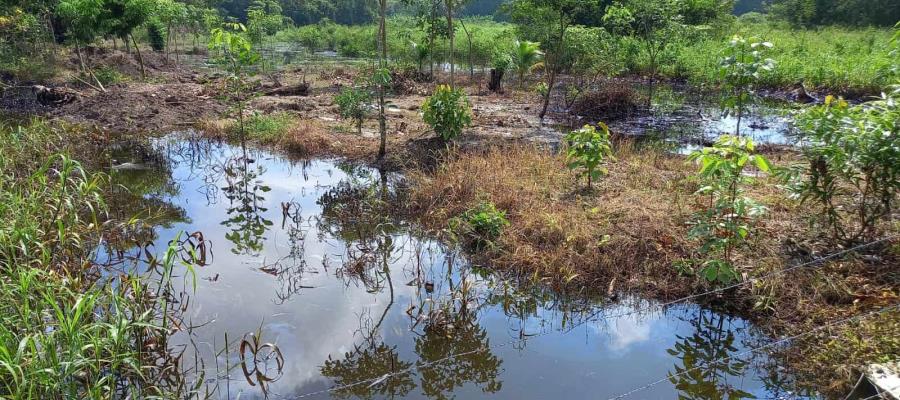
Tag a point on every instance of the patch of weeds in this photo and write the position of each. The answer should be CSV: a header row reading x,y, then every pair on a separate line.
x,y
480,225
265,128
110,76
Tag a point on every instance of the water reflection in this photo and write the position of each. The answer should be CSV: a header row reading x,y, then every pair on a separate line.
x,y
706,361
244,192
683,120
360,305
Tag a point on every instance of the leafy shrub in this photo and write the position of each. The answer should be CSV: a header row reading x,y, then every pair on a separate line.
x,y
447,111
353,104
854,164
109,76
587,149
481,224
156,33
541,89
729,219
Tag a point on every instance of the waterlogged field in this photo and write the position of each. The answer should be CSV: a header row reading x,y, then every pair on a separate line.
x,y
322,292
624,199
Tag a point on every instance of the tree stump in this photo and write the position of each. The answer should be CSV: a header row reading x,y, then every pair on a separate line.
x,y
496,79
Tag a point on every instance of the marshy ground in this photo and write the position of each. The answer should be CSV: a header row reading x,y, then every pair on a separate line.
x,y
363,247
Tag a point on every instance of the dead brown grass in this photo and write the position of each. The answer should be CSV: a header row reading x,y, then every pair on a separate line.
x,y
558,230
632,228
303,138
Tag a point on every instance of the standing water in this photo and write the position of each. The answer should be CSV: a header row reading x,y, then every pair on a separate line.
x,y
323,293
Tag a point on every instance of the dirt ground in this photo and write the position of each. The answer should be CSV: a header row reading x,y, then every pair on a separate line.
x,y
187,94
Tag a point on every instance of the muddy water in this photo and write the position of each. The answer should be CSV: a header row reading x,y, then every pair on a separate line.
x,y
305,256
687,119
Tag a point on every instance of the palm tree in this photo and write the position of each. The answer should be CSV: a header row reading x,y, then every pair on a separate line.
x,y
526,56
420,52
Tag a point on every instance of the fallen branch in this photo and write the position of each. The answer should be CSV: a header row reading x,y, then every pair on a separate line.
x,y
99,89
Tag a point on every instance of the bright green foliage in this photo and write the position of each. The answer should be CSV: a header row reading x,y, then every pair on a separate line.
x,y
542,89
263,19
588,148
837,58
548,22
655,24
729,219
854,164
525,57
481,224
156,33
447,111
268,128
741,71
24,53
236,55
420,53
501,60
236,51
836,12
63,336
353,104
83,18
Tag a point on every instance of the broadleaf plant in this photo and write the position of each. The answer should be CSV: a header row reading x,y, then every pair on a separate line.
x,y
729,218
588,149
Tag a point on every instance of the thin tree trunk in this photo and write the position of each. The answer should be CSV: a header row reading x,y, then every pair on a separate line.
x,y
550,67
140,57
431,37
175,40
168,40
449,4
652,78
469,39
80,57
552,81
382,123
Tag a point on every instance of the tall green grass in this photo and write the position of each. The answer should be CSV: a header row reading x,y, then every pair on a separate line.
x,y
69,328
359,40
844,60
830,58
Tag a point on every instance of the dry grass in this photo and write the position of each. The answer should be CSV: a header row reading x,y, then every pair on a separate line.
x,y
633,226
301,138
558,230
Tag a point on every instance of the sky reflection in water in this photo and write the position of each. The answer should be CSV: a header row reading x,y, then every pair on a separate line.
x,y
305,254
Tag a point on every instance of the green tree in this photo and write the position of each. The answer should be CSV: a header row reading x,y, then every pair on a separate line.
x,y
547,22
171,14
741,70
654,23
236,55
807,13
84,23
122,17
853,155
353,104
382,76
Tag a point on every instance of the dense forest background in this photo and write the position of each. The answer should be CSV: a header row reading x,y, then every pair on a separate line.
x,y
797,12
